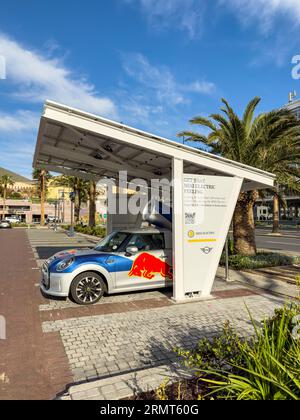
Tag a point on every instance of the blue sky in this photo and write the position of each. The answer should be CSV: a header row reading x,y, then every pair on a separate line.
x,y
153,64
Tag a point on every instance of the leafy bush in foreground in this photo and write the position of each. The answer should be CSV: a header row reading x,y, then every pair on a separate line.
x,y
267,367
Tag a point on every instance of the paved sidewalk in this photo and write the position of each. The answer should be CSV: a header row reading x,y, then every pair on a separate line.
x,y
106,345
129,339
33,365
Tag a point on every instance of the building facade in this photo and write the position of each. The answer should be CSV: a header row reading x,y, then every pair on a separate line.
x,y
264,209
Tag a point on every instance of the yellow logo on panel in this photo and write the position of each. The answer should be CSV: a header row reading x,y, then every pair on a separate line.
x,y
191,233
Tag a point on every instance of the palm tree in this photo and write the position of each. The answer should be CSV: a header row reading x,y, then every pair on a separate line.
x,y
92,193
290,185
42,177
269,141
80,188
5,181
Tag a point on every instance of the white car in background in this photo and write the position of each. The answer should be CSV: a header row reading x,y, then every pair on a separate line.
x,y
12,219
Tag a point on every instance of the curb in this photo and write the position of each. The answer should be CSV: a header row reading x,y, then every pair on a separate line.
x,y
260,281
126,385
274,235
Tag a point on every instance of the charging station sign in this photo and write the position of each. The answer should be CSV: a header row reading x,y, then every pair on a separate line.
x,y
208,206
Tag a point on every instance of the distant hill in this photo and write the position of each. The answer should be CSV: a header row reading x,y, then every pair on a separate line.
x,y
15,177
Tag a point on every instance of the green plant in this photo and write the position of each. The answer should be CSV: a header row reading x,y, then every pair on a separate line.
x,y
19,225
270,363
98,231
261,260
161,392
80,188
217,353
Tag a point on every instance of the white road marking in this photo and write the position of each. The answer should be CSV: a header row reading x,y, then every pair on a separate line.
x,y
283,243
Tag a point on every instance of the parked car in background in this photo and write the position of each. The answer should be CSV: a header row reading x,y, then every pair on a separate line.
x,y
5,224
12,219
52,219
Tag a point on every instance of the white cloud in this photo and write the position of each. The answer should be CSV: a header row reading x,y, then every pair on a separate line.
x,y
162,82
189,15
20,121
264,11
154,99
38,78
185,15
200,87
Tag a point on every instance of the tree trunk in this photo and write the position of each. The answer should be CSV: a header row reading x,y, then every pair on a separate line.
x,y
243,225
275,213
77,205
42,198
92,204
4,202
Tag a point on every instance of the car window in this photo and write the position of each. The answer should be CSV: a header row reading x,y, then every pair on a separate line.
x,y
147,242
112,242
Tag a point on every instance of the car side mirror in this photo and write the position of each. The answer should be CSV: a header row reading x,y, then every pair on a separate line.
x,y
132,250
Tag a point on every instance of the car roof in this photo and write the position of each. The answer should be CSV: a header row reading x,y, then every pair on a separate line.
x,y
143,230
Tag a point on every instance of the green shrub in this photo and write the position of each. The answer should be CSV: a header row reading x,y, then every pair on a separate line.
x,y
98,231
261,260
19,225
217,353
269,366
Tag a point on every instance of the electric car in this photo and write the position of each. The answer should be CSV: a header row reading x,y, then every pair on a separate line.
x,y
124,261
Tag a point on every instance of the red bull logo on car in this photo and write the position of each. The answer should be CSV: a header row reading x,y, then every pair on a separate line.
x,y
146,265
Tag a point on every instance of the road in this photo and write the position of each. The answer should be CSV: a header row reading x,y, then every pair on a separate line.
x,y
288,242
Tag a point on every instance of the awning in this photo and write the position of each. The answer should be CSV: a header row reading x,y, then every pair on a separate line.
x,y
80,144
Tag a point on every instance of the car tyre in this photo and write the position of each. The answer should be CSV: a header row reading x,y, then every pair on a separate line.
x,y
87,288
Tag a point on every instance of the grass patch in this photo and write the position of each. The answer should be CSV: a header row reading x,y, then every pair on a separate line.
x,y
261,260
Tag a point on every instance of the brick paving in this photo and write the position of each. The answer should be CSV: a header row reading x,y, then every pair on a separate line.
x,y
33,365
111,344
52,343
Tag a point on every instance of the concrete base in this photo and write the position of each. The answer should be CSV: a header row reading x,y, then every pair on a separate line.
x,y
192,299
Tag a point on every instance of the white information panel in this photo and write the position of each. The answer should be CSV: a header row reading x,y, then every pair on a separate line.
x,y
208,206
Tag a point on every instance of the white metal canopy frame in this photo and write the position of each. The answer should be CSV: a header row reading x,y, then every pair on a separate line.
x,y
80,144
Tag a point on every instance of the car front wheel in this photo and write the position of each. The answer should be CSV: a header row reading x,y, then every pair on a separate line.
x,y
87,288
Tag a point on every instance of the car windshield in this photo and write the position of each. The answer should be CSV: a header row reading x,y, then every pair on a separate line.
x,y
112,242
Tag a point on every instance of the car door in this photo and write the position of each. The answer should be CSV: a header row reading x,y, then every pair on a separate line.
x,y
149,268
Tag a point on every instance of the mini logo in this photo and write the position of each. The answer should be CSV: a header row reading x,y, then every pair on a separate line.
x,y
191,234
206,250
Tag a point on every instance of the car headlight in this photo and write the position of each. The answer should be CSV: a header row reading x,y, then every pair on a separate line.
x,y
63,265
